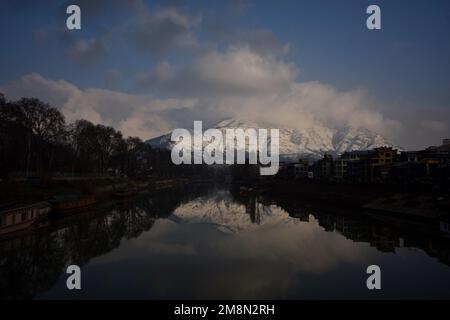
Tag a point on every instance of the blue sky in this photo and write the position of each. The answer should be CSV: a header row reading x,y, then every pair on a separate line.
x,y
133,46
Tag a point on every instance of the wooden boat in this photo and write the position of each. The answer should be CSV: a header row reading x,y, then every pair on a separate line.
x,y
22,216
72,203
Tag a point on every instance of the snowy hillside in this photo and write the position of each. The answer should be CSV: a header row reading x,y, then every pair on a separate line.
x,y
310,142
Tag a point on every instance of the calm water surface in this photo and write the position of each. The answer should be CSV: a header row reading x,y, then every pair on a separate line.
x,y
206,242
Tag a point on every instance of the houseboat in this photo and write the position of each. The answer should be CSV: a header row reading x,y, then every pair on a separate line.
x,y
66,203
22,216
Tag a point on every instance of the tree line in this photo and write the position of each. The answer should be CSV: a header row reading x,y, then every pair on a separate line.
x,y
35,139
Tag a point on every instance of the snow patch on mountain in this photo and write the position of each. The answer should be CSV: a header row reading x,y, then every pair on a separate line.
x,y
311,142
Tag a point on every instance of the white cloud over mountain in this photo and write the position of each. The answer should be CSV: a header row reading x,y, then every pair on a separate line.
x,y
284,102
237,71
182,63
236,83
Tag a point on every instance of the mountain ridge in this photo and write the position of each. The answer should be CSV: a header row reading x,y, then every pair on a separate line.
x,y
312,142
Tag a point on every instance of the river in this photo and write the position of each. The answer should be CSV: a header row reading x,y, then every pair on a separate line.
x,y
208,242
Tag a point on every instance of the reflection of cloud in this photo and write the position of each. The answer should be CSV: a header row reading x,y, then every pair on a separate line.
x,y
294,243
270,260
228,216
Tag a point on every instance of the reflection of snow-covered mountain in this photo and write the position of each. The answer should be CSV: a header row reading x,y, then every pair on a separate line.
x,y
228,216
310,142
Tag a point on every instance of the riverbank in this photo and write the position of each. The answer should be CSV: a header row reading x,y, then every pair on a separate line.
x,y
33,190
390,199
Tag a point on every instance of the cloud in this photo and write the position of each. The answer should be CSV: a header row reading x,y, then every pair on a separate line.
x,y
238,82
237,71
157,32
164,30
99,7
297,105
242,83
86,51
105,23
304,105
206,66
262,41
154,118
162,73
133,114
238,7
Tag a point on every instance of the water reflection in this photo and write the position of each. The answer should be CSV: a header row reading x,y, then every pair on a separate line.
x,y
201,242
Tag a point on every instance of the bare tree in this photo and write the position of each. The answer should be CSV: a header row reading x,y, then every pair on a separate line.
x,y
46,122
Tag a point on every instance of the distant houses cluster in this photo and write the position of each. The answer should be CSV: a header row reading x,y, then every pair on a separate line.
x,y
379,165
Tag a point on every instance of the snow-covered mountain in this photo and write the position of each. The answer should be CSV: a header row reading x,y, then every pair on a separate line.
x,y
310,142
228,216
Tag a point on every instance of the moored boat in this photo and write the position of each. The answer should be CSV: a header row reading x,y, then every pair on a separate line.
x,y
67,203
20,217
